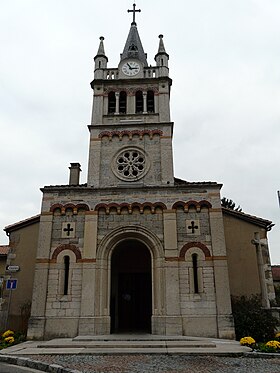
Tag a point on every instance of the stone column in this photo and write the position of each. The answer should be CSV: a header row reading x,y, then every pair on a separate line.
x,y
94,160
144,102
87,319
166,157
173,311
131,108
225,328
117,109
36,327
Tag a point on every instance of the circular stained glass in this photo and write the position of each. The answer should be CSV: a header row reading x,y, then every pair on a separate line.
x,y
130,164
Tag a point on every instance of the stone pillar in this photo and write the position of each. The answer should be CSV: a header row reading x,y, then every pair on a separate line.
x,y
170,233
87,323
144,102
117,109
166,158
131,108
90,235
257,242
94,160
225,328
36,327
173,311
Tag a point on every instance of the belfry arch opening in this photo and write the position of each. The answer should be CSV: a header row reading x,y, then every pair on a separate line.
x,y
131,288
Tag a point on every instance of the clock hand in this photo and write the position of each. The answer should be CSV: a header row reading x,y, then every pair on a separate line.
x,y
130,68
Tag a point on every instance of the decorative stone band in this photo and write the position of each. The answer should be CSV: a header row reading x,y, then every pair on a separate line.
x,y
178,259
130,134
130,90
187,205
75,208
130,207
70,247
49,261
189,245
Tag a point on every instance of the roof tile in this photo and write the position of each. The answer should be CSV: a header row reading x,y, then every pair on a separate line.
x,y
4,249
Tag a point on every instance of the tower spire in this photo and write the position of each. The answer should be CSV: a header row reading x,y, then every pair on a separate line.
x,y
161,48
100,60
101,50
162,58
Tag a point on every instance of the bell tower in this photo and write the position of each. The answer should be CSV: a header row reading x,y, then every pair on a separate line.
x,y
130,130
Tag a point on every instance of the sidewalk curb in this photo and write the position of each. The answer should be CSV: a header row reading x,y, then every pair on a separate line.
x,y
266,355
33,364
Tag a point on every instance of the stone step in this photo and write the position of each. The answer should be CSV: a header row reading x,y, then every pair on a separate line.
x,y
121,343
132,344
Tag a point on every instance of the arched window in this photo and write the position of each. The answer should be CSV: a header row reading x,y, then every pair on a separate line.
x,y
66,274
111,103
195,273
139,103
122,105
150,102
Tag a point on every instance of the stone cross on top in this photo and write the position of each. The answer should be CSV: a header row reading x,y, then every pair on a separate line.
x,y
134,11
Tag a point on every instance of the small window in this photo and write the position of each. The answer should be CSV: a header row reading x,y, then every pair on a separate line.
x,y
139,103
66,274
122,108
150,102
111,103
195,273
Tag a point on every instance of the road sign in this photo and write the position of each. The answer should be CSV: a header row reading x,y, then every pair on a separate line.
x,y
11,284
11,268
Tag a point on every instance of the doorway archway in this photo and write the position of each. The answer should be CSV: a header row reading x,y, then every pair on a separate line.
x,y
131,287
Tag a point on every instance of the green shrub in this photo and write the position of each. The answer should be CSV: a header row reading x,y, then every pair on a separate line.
x,y
250,318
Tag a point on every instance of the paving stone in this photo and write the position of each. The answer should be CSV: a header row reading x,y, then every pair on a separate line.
x,y
161,363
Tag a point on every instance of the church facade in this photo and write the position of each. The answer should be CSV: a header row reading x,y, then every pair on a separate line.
x,y
134,249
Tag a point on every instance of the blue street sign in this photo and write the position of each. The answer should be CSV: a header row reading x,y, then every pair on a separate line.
x,y
11,284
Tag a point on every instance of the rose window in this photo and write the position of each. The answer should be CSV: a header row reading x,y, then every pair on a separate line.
x,y
131,164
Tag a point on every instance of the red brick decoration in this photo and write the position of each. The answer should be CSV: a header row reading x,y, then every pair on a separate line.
x,y
75,208
130,206
189,245
130,134
63,247
197,205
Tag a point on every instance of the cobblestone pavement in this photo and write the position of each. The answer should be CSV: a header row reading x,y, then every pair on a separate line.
x,y
161,363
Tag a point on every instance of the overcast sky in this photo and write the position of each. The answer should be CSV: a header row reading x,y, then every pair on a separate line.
x,y
225,97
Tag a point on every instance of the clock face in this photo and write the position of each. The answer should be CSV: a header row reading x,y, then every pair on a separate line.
x,y
131,68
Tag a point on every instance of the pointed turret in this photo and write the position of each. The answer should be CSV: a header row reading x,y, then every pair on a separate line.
x,y
162,58
100,60
133,47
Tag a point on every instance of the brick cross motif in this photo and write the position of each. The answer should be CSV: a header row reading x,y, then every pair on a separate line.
x,y
193,227
134,11
68,229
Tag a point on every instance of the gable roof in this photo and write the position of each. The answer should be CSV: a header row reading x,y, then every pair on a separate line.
x,y
22,224
263,223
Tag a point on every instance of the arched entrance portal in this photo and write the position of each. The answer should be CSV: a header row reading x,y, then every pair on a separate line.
x,y
131,288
